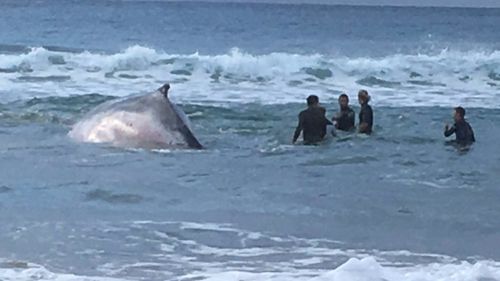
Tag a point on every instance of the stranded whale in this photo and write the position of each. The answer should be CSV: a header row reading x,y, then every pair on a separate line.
x,y
149,121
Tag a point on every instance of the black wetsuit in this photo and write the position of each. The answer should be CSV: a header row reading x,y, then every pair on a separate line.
x,y
366,116
345,119
463,132
312,122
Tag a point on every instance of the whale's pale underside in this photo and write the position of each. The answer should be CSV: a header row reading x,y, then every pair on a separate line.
x,y
149,121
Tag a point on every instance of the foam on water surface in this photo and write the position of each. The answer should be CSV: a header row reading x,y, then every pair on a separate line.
x,y
418,211
186,255
471,78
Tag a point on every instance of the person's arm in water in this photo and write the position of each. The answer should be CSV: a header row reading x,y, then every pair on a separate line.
x,y
328,122
473,138
350,117
336,119
363,127
340,115
448,131
298,129
364,124
344,117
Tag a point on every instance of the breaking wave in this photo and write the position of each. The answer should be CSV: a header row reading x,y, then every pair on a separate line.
x,y
354,269
448,78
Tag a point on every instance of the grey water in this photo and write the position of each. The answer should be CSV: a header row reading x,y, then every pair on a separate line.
x,y
251,202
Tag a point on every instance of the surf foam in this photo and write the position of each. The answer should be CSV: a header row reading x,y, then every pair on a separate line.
x,y
446,79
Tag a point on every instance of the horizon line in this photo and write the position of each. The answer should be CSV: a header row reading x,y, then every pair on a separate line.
x,y
338,3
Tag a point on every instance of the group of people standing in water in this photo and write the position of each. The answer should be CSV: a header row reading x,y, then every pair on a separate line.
x,y
313,122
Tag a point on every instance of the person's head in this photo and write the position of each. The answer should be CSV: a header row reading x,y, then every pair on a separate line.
x,y
343,101
459,113
363,97
312,100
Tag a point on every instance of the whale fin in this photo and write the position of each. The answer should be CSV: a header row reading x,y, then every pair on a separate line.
x,y
164,90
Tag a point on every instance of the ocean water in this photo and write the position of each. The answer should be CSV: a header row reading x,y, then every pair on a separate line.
x,y
402,204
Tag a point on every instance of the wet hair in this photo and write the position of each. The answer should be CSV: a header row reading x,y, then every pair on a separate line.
x,y
460,110
312,99
344,96
364,94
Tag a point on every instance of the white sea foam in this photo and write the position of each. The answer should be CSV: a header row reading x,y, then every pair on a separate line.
x,y
354,269
171,256
448,78
368,269
36,272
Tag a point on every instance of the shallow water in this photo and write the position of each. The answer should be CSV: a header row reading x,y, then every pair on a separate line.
x,y
89,209
402,204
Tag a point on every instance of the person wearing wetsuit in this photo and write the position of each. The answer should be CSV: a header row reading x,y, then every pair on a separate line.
x,y
312,122
365,114
462,129
344,120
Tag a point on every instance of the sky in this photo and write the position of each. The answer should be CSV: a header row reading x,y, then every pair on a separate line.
x,y
440,3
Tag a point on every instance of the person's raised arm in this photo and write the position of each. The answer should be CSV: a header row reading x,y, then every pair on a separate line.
x,y
448,131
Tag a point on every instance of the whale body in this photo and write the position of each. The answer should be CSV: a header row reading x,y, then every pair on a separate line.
x,y
149,121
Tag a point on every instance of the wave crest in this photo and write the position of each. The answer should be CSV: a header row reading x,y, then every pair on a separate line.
x,y
469,77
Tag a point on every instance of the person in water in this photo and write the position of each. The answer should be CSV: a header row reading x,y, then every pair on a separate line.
x,y
365,114
312,122
462,129
344,120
